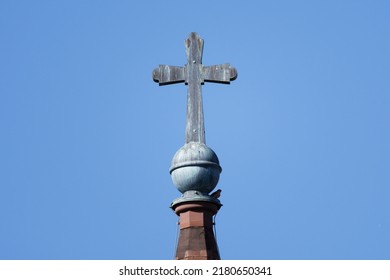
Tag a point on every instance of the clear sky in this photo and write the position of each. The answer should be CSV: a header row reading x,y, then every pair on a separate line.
x,y
86,136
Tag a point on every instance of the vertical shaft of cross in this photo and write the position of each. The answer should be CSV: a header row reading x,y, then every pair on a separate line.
x,y
195,131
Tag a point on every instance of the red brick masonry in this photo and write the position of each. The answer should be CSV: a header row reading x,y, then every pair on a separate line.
x,y
197,240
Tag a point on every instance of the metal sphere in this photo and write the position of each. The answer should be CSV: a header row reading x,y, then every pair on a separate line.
x,y
195,167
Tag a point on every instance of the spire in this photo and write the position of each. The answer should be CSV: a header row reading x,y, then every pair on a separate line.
x,y
195,167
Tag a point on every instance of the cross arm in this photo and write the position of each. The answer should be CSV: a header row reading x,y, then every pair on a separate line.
x,y
222,73
165,75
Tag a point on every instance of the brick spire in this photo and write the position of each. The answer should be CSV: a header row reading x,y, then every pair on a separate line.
x,y
197,240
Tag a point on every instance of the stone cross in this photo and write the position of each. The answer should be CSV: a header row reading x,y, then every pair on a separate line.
x,y
194,74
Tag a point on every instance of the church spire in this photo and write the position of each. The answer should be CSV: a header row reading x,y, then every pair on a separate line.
x,y
195,167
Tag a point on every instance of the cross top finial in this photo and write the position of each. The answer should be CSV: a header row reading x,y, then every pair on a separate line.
x,y
194,74
194,48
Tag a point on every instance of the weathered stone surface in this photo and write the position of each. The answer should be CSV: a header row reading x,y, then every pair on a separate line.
x,y
197,240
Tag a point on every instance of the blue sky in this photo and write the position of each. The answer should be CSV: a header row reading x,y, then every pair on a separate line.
x,y
87,137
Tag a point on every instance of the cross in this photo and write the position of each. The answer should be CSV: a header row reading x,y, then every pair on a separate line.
x,y
194,74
